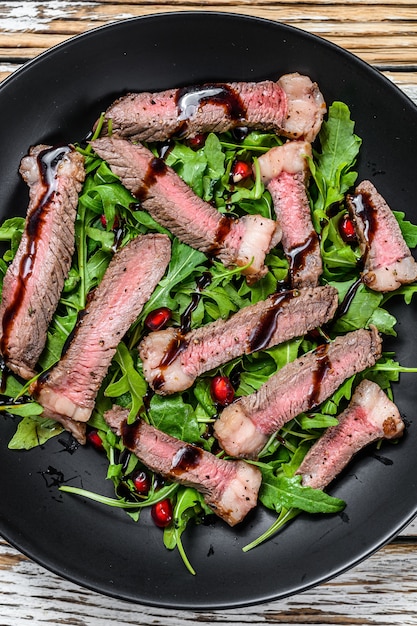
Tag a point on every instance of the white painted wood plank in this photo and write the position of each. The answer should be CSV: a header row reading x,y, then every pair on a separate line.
x,y
379,592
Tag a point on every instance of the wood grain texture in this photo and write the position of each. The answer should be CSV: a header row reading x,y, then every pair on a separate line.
x,y
379,592
385,38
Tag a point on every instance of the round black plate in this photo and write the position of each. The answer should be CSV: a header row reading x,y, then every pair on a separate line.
x,y
56,98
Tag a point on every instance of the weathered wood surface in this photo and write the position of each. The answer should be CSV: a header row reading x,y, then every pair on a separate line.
x,y
381,32
381,591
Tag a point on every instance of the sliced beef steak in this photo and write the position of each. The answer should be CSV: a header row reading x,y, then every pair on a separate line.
x,y
34,280
229,488
172,203
387,259
172,361
243,427
293,107
69,389
370,416
285,172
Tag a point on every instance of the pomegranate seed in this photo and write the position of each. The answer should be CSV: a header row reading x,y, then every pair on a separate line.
x,y
157,319
240,171
141,481
94,438
162,513
347,229
104,221
221,390
197,141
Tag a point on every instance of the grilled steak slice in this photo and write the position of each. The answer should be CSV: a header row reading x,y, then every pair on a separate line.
x,y
285,172
293,107
69,389
172,361
34,280
229,488
172,203
369,417
243,427
387,260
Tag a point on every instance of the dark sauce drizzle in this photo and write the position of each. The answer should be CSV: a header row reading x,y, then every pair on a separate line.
x,y
347,300
185,459
319,373
190,100
4,373
203,281
223,229
298,255
366,211
48,162
263,331
130,433
156,168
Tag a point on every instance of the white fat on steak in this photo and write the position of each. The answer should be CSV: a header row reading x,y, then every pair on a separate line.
x,y
243,428
305,107
172,360
370,416
388,262
285,172
230,488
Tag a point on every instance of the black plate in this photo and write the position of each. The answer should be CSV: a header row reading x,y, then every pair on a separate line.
x,y
56,98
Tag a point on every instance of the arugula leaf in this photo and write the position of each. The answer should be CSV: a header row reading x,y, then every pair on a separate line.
x,y
133,381
408,230
280,491
185,261
189,164
32,430
332,167
363,310
189,506
175,417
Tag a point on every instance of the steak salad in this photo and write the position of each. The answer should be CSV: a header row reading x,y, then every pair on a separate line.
x,y
218,315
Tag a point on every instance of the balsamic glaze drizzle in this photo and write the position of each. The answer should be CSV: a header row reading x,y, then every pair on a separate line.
x,y
319,373
263,331
48,161
223,229
190,101
156,168
366,211
347,300
185,459
202,282
298,255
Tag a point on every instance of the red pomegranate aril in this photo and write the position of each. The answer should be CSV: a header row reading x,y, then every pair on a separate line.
x,y
94,438
162,513
241,171
347,229
221,390
197,141
141,481
103,221
157,319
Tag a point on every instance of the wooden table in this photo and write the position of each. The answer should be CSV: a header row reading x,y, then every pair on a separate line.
x,y
379,591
